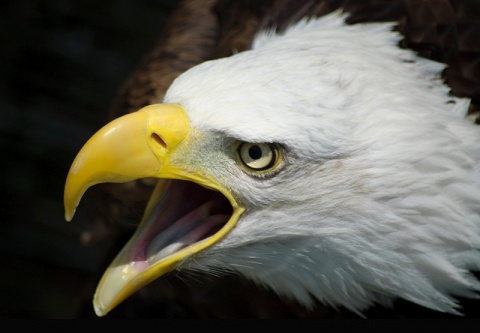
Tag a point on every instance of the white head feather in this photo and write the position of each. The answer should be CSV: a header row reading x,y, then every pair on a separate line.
x,y
379,195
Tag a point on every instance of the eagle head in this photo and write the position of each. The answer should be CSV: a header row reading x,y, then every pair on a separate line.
x,y
326,163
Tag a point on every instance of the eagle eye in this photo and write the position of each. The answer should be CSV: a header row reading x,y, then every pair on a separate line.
x,y
258,156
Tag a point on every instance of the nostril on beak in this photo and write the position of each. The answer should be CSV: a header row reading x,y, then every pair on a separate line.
x,y
159,140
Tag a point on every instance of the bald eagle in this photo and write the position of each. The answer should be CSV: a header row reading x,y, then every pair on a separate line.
x,y
323,162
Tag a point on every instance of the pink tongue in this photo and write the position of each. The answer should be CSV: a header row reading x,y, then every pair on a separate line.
x,y
193,236
189,229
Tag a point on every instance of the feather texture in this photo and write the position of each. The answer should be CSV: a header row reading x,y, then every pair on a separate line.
x,y
380,187
362,155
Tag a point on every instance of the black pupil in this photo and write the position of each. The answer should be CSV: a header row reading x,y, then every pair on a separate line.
x,y
255,152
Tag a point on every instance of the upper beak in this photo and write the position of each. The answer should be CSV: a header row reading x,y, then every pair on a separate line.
x,y
138,145
134,146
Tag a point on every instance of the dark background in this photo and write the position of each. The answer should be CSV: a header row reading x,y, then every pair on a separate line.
x,y
61,63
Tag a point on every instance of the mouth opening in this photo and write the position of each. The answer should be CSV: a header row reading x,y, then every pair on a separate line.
x,y
179,214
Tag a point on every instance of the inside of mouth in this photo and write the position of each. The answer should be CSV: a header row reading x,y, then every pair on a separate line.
x,y
180,213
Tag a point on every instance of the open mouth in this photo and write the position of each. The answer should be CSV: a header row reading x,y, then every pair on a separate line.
x,y
189,210
181,219
180,213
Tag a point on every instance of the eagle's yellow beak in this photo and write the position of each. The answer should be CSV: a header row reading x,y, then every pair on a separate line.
x,y
138,145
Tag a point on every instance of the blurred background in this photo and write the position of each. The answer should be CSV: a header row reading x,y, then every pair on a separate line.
x,y
61,63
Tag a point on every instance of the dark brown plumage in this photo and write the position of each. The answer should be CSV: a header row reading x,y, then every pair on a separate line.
x,y
441,30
